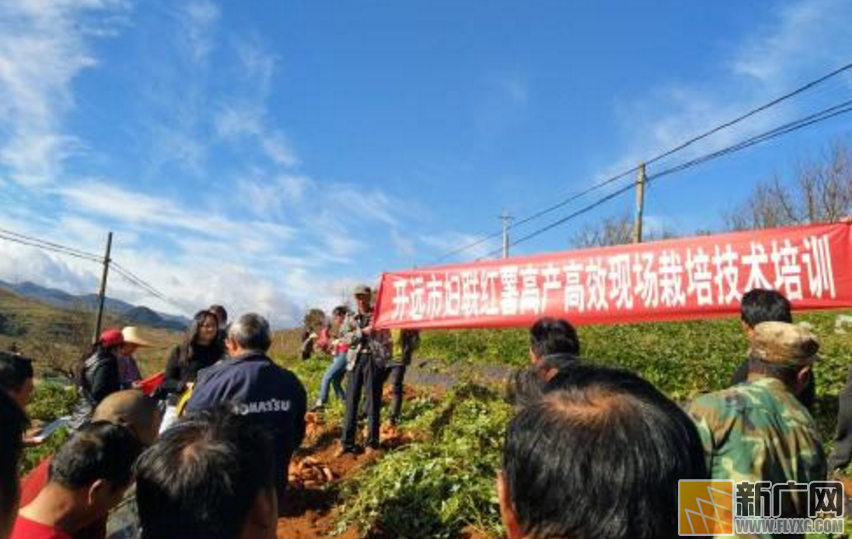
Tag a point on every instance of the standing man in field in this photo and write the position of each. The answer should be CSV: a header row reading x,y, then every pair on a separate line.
x,y
253,386
759,431
365,359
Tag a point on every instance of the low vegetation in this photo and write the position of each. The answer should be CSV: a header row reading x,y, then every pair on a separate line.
x,y
442,483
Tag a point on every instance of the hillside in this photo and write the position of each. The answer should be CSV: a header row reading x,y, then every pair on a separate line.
x,y
57,336
89,302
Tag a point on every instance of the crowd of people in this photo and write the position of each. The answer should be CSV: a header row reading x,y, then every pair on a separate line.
x,y
591,451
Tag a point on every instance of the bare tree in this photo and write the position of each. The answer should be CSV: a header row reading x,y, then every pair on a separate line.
x,y
820,192
617,230
68,341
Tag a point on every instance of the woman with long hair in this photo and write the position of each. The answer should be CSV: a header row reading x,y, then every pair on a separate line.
x,y
200,349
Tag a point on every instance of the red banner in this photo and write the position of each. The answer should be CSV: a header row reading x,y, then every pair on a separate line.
x,y
700,277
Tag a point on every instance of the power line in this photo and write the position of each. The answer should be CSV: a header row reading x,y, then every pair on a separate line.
x,y
38,245
23,239
795,125
139,282
573,215
36,242
783,129
667,153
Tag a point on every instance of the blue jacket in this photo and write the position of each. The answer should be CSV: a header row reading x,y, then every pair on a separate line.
x,y
267,395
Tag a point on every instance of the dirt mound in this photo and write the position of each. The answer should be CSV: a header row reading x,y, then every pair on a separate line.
x,y
309,506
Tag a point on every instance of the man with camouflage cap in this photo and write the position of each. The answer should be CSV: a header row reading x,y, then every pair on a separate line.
x,y
759,431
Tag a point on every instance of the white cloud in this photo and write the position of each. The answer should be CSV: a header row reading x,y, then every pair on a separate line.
x,y
43,47
368,203
276,197
294,186
277,148
233,121
197,248
804,34
21,263
806,39
145,212
246,116
258,65
199,24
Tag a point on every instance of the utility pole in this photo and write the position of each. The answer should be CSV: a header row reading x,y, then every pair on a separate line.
x,y
640,204
506,218
102,292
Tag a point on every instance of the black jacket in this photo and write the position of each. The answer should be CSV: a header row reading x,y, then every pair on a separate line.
x,y
841,453
100,377
179,373
267,395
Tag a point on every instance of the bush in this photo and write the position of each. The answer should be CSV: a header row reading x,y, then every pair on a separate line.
x,y
51,400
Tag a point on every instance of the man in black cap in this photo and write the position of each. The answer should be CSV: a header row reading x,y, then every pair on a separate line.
x,y
368,349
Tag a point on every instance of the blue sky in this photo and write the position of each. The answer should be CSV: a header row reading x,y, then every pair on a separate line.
x,y
270,154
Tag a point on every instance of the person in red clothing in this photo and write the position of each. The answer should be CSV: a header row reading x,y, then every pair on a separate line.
x,y
87,478
131,409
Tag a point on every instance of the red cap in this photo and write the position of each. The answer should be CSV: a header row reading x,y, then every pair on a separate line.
x,y
111,337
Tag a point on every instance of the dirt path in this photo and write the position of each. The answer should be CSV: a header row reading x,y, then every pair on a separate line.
x,y
313,495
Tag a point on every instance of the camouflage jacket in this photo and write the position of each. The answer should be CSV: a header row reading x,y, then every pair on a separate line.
x,y
759,431
378,344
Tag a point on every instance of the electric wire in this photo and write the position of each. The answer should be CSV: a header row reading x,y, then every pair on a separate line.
x,y
801,123
23,239
683,145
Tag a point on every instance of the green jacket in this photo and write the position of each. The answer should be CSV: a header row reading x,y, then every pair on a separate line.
x,y
759,431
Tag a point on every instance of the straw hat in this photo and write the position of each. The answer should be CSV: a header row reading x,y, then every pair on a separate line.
x,y
132,336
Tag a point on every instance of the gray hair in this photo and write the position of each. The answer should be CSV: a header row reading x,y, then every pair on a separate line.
x,y
251,332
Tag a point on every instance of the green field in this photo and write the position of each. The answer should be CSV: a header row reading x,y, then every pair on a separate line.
x,y
442,485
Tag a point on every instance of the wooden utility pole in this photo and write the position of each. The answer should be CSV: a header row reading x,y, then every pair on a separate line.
x,y
640,204
102,293
506,218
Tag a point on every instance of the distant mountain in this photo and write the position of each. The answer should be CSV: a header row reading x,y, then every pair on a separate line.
x,y
89,302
